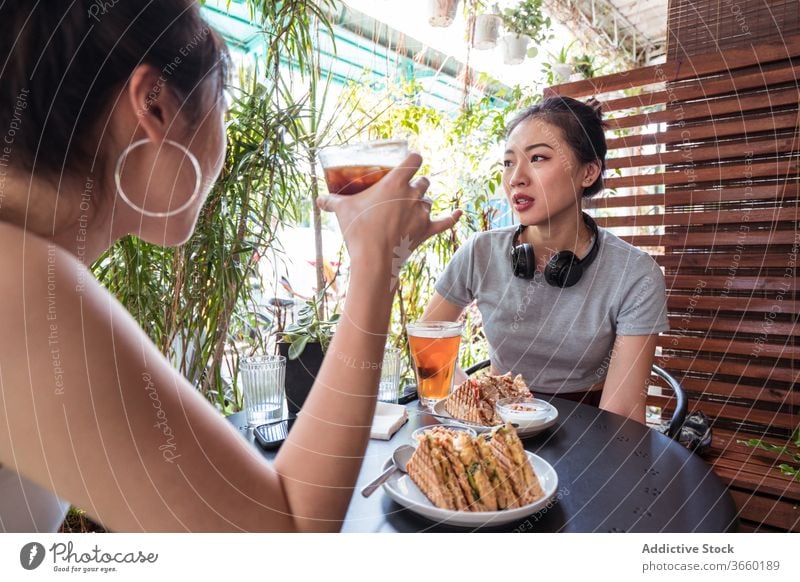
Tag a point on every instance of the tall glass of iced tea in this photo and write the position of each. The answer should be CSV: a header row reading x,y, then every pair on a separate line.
x,y
434,351
349,169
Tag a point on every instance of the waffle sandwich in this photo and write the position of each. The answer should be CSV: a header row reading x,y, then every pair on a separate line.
x,y
463,473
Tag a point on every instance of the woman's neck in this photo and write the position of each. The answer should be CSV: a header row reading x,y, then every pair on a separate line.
x,y
66,212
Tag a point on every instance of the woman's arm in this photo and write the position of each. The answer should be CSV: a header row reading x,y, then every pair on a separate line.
x,y
320,461
92,410
320,472
440,309
626,382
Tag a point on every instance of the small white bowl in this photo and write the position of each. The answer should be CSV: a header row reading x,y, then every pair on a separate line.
x,y
526,412
447,426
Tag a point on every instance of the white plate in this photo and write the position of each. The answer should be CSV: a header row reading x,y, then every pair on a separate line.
x,y
522,432
404,491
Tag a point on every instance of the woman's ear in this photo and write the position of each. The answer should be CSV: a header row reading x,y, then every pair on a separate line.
x,y
153,102
590,172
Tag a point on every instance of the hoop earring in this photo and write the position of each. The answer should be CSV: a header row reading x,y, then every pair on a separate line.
x,y
150,213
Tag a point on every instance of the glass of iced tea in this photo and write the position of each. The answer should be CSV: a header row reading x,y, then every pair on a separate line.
x,y
349,169
434,351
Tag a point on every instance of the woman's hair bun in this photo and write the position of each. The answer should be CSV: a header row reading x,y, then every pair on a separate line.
x,y
596,106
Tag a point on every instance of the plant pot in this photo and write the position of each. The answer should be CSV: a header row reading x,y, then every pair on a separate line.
x,y
515,48
561,72
441,13
487,29
301,373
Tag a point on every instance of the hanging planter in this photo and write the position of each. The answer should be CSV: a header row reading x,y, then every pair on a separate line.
x,y
525,22
487,29
441,13
515,48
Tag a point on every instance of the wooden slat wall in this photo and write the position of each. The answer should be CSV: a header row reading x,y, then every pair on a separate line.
x,y
704,173
717,25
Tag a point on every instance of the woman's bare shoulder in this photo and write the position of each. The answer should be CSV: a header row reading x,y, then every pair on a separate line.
x,y
26,259
36,273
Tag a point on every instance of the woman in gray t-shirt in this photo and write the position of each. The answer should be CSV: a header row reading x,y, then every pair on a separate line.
x,y
591,339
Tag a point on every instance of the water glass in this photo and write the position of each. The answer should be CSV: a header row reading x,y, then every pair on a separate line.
x,y
263,387
390,376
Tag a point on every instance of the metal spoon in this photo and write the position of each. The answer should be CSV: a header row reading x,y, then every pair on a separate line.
x,y
400,458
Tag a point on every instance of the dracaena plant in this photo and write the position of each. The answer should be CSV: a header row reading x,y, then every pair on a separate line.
x,y
194,301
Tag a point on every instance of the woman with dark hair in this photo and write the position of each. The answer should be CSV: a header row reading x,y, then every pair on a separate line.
x,y
111,123
568,305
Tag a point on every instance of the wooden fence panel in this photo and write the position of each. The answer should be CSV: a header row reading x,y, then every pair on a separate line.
x,y
704,173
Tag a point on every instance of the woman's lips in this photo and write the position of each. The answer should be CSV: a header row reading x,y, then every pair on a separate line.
x,y
521,202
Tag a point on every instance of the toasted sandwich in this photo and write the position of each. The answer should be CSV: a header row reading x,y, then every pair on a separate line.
x,y
498,477
475,398
461,473
511,456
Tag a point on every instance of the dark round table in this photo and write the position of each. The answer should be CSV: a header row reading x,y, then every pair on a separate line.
x,y
614,475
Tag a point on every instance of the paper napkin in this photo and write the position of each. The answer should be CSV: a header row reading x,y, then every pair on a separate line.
x,y
387,420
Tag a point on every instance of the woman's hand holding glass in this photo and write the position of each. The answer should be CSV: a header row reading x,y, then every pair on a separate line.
x,y
392,217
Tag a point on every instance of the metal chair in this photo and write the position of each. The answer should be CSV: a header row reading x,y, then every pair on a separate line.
x,y
681,403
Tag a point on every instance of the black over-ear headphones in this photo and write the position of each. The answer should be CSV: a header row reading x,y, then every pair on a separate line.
x,y
563,270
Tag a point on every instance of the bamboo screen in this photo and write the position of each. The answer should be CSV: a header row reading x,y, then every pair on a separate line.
x,y
719,25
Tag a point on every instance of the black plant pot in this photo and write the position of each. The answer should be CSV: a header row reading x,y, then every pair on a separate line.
x,y
301,373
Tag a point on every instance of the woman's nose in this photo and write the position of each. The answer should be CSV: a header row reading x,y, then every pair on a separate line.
x,y
519,175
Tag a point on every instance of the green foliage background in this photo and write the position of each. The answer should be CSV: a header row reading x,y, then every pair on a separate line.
x,y
196,301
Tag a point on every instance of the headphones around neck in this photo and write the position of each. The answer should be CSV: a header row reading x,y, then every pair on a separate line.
x,y
564,269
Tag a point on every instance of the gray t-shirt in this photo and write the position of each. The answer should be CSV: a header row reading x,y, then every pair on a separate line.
x,y
560,340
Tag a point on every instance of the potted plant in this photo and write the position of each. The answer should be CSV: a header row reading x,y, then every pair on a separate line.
x,y
585,66
524,23
303,344
441,13
487,29
560,69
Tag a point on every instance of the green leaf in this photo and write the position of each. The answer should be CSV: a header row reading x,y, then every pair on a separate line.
x,y
759,444
297,347
772,448
790,471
